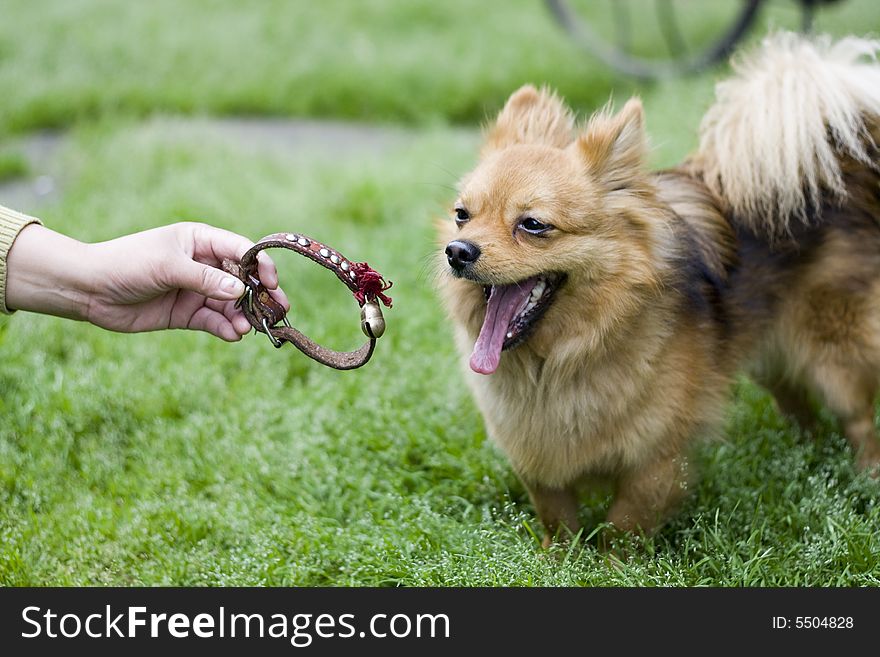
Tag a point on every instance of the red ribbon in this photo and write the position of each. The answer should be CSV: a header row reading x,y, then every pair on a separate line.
x,y
370,284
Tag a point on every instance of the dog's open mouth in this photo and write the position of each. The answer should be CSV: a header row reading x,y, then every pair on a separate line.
x,y
512,311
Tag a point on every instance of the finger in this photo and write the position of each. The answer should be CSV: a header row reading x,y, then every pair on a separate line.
x,y
239,322
185,306
279,296
277,293
214,323
213,245
267,271
206,280
188,305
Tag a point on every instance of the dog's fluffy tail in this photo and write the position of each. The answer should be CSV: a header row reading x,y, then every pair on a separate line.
x,y
770,146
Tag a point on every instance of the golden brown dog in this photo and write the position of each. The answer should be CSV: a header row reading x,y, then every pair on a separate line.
x,y
603,309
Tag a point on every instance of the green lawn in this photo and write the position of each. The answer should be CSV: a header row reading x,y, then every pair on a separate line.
x,y
12,165
173,458
418,61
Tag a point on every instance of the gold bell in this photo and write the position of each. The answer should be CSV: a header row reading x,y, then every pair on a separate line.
x,y
372,321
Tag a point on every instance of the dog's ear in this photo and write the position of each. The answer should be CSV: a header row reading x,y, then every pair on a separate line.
x,y
614,147
531,116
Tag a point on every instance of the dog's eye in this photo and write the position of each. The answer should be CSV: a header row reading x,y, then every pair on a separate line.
x,y
533,226
461,215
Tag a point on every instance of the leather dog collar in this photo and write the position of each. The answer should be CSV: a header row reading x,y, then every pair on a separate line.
x,y
264,313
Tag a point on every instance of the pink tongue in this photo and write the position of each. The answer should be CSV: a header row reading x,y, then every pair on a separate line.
x,y
503,303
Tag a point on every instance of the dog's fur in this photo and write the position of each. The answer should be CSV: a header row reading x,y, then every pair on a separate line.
x,y
762,251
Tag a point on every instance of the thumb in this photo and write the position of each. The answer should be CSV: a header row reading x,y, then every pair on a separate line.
x,y
211,282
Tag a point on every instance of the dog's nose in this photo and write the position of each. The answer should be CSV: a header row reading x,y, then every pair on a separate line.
x,y
461,253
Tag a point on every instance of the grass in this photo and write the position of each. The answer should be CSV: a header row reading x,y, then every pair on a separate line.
x,y
418,62
173,458
12,165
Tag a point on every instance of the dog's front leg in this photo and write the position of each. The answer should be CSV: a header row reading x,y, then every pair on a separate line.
x,y
644,496
557,510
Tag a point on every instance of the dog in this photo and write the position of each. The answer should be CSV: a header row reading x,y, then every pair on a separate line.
x,y
602,310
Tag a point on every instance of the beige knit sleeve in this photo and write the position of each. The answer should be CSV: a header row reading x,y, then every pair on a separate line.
x,y
11,223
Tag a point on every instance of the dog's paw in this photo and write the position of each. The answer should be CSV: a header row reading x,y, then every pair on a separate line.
x,y
868,461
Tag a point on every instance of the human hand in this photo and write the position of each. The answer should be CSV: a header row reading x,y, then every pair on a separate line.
x,y
167,277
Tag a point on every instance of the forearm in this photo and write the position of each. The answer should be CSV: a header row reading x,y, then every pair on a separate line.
x,y
166,277
46,273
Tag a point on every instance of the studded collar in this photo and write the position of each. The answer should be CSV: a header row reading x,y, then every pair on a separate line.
x,y
264,313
